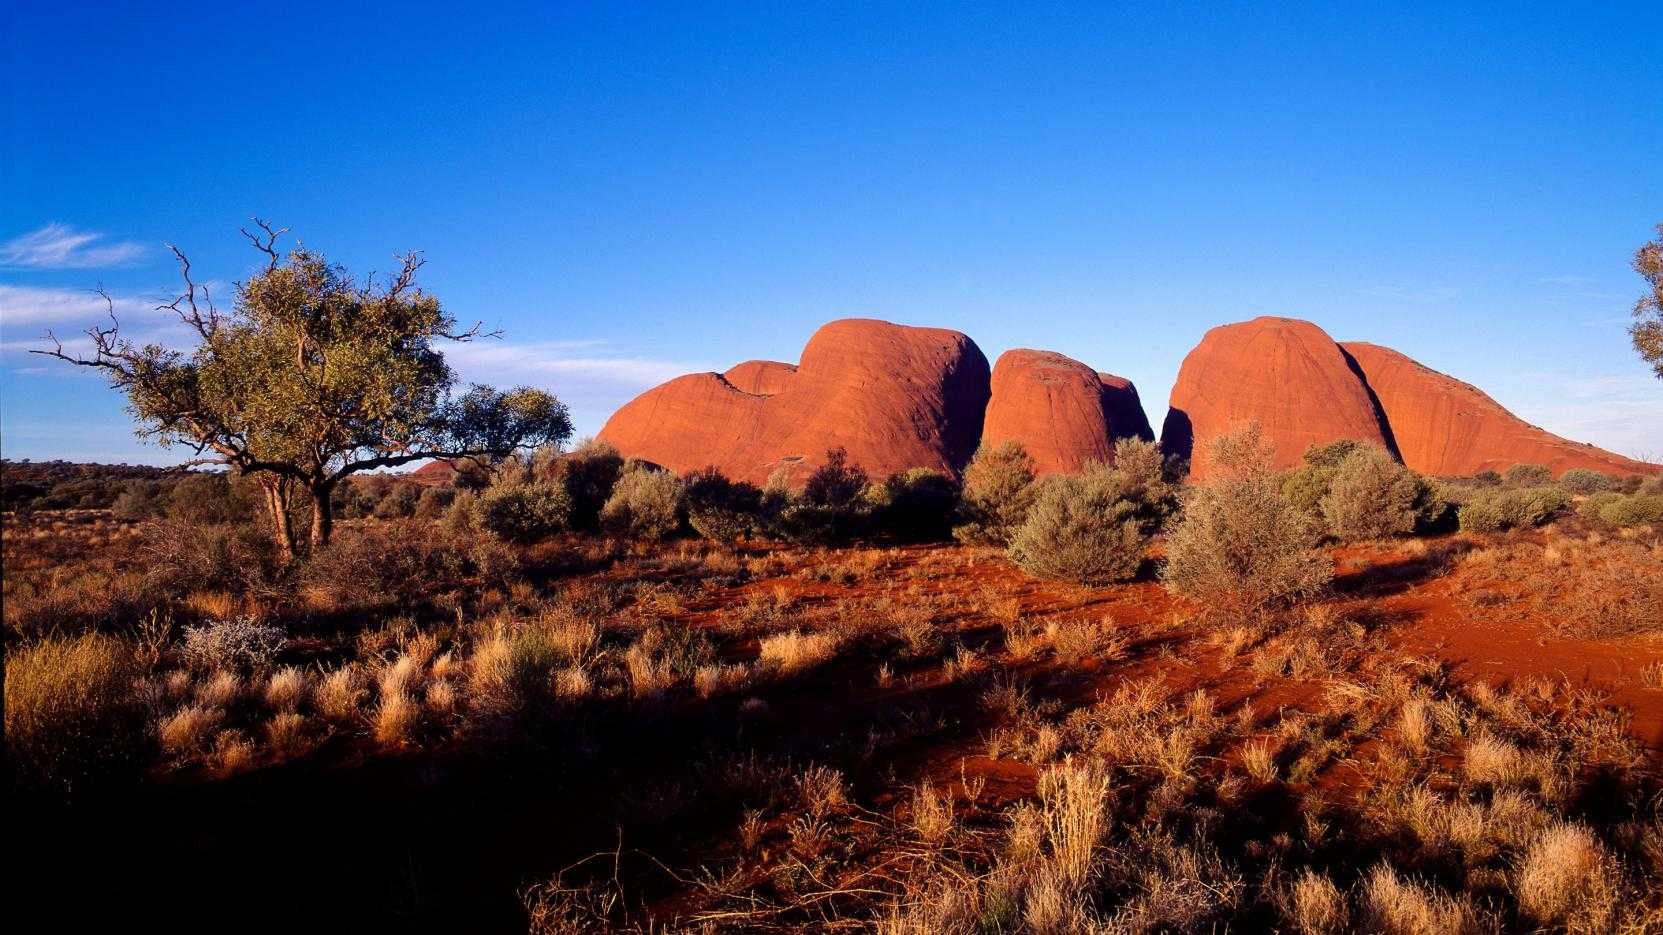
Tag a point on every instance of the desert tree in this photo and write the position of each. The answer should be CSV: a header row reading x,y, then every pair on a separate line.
x,y
1647,330
312,377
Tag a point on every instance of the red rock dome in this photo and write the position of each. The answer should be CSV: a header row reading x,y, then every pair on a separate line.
x,y
1063,412
895,397
1446,427
1287,375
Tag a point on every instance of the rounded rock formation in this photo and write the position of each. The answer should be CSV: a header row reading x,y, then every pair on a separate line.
x,y
1063,412
1449,428
1285,374
895,397
760,377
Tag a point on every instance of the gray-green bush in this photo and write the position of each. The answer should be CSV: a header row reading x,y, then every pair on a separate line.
x,y
998,490
645,504
1239,545
1094,527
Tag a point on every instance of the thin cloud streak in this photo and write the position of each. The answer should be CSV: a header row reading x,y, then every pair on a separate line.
x,y
505,362
60,246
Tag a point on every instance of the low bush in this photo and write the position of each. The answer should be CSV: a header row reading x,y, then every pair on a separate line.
x,y
915,505
399,563
1239,545
433,502
721,509
645,504
1527,475
587,474
239,643
1584,481
71,719
831,508
1372,496
998,490
1497,509
1083,528
1633,510
524,512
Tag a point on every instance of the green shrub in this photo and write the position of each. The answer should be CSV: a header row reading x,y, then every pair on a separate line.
x,y
1305,487
587,473
998,490
1486,479
1584,481
434,502
645,504
459,515
1533,506
1480,514
1634,510
1238,544
1527,475
524,512
831,508
721,509
915,505
399,502
1372,496
400,562
1333,454
1091,528
208,499
1496,509
71,720
1592,507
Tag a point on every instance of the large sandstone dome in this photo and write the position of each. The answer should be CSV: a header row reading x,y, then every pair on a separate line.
x,y
1446,427
1287,375
895,397
1062,411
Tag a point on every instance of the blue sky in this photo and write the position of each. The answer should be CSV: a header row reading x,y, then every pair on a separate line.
x,y
632,191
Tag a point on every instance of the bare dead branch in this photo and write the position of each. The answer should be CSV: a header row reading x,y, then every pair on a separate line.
x,y
266,243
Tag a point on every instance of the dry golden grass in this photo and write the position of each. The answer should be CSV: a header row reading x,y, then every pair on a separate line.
x,y
396,718
794,650
932,814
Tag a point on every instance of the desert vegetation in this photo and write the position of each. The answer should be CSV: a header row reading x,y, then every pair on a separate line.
x,y
566,691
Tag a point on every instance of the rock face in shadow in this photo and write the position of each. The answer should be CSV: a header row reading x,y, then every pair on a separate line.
x,y
1287,375
1446,427
895,397
1063,412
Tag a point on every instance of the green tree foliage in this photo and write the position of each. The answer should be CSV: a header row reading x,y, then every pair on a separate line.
x,y
1527,475
1647,330
313,377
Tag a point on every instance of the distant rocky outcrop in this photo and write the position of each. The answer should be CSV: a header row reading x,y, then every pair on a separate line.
x,y
1062,411
895,397
1285,374
1443,426
898,397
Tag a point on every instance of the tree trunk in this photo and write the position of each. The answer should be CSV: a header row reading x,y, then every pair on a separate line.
x,y
277,503
323,518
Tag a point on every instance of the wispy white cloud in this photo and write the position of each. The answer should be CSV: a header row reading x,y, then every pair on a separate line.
x,y
1621,412
584,361
60,246
36,305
